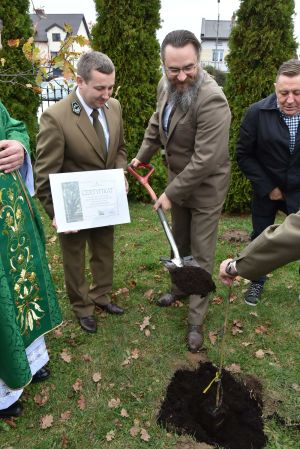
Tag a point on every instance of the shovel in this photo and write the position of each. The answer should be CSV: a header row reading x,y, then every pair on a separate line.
x,y
185,272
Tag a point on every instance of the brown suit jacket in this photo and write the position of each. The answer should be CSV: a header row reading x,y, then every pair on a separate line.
x,y
275,247
67,142
196,146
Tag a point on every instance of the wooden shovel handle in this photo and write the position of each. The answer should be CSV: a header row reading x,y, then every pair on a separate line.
x,y
143,180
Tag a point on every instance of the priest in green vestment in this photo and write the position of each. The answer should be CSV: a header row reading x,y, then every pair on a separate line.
x,y
28,303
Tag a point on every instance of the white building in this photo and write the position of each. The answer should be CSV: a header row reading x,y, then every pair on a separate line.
x,y
50,32
214,42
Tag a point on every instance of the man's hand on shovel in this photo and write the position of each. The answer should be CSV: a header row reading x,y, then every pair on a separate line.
x,y
164,202
135,162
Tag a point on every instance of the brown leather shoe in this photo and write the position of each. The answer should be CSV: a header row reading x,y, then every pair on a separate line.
x,y
168,299
195,338
88,324
112,308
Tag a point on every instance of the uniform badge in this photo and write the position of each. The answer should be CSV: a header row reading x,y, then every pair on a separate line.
x,y
76,108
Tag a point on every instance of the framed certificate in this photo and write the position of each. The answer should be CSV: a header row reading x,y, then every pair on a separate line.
x,y
89,199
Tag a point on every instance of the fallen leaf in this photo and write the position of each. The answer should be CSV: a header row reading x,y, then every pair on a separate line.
x,y
296,387
261,330
124,413
144,435
81,402
118,423
9,422
232,298
269,352
96,377
114,403
132,283
122,291
212,335
65,356
217,300
146,322
126,361
147,333
42,397
149,294
234,368
87,358
177,303
46,421
246,343
77,386
260,354
110,435
134,431
253,314
64,416
64,442
236,327
58,332
135,353
52,239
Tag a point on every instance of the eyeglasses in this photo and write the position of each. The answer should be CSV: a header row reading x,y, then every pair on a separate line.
x,y
188,69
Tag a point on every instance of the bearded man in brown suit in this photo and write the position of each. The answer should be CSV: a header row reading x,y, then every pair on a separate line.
x,y
191,122
82,132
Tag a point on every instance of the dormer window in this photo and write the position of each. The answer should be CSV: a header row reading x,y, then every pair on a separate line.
x,y
56,37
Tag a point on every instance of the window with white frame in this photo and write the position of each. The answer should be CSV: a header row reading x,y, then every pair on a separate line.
x,y
218,55
56,37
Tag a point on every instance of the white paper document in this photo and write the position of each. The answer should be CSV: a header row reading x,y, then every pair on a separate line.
x,y
89,199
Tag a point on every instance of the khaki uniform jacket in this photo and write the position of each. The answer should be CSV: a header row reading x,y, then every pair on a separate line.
x,y
275,247
67,142
196,146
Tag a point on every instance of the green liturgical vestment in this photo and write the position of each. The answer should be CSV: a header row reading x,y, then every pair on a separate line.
x,y
28,303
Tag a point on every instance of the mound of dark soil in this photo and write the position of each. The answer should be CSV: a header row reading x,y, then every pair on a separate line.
x,y
236,424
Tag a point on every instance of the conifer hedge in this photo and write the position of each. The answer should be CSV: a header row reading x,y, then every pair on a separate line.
x,y
260,41
126,32
22,102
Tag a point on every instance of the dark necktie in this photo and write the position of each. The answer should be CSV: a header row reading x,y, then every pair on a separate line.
x,y
170,118
99,130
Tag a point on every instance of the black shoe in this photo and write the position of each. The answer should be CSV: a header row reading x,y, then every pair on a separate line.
x,y
112,308
253,293
88,324
14,409
40,375
195,338
168,299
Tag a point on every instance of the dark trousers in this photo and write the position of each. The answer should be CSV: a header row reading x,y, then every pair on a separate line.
x,y
82,295
264,213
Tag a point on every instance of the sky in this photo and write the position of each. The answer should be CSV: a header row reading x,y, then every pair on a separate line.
x,y
175,14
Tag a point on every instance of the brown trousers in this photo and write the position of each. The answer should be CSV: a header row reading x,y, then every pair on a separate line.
x,y
195,232
83,296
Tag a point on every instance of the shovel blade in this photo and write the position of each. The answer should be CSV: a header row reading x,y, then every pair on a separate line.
x,y
191,279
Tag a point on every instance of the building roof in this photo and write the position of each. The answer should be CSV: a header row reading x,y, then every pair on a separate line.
x,y
209,29
44,22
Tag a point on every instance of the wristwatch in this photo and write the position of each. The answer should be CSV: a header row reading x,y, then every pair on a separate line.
x,y
231,268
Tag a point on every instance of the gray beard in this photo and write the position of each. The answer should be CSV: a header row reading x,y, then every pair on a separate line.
x,y
185,98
